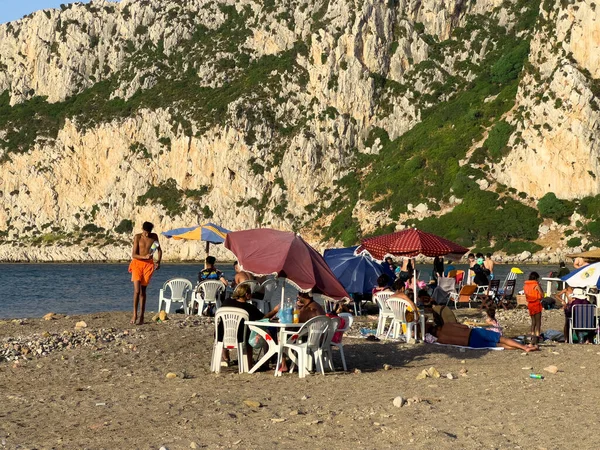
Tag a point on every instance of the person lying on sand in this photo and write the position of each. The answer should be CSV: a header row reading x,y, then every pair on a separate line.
x,y
459,334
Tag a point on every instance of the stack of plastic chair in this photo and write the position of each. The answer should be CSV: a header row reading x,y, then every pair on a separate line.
x,y
231,318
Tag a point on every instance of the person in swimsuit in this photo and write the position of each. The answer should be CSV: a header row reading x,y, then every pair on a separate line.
x,y
142,266
489,265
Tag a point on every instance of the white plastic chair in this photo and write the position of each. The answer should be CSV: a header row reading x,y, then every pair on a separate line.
x,y
315,332
348,320
399,307
385,312
254,285
232,319
327,342
268,288
327,303
209,291
175,290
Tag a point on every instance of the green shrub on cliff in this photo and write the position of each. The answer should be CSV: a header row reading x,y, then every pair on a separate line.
x,y
554,208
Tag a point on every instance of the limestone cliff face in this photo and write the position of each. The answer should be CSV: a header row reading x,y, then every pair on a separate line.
x,y
269,154
555,147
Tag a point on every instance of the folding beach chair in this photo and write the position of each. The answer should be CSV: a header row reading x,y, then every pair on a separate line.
x,y
583,318
445,287
464,296
506,295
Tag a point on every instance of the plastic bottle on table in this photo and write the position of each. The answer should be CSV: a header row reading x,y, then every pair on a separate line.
x,y
286,315
296,316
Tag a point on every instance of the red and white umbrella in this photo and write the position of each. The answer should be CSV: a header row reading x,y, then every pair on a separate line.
x,y
409,243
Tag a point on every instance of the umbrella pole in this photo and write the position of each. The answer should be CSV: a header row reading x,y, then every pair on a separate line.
x,y
207,248
415,282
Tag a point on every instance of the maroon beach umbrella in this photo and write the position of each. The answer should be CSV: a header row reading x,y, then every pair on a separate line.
x,y
411,242
265,251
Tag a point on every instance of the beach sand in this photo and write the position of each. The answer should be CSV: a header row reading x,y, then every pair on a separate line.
x,y
116,394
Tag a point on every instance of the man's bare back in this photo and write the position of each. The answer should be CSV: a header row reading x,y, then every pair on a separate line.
x,y
242,276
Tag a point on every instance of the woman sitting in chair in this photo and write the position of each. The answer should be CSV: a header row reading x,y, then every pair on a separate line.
x,y
240,298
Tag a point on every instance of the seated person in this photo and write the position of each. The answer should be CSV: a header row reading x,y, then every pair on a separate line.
x,y
412,312
383,284
308,309
337,337
306,306
491,321
240,300
210,272
424,299
240,275
577,297
390,263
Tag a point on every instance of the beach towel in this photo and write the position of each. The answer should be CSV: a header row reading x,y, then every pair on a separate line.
x,y
471,348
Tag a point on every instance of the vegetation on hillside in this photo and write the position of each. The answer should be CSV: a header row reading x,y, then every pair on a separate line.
x,y
470,82
422,166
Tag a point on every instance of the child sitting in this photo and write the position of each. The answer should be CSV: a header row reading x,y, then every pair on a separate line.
x,y
490,319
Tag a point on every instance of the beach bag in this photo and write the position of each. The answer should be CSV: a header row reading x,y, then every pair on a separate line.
x,y
256,340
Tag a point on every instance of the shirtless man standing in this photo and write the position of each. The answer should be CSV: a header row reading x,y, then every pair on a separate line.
x,y
142,266
489,265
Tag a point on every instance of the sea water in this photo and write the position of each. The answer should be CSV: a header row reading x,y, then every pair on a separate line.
x,y
32,290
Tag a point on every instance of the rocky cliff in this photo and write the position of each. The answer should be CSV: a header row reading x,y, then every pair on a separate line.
x,y
334,118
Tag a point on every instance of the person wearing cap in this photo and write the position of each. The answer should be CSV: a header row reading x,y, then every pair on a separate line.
x,y
534,295
578,297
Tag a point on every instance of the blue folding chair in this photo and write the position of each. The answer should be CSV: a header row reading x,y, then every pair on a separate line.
x,y
583,318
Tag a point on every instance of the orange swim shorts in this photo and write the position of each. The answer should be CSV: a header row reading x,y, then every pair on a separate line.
x,y
141,270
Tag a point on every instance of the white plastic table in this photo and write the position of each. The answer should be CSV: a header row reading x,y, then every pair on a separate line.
x,y
274,349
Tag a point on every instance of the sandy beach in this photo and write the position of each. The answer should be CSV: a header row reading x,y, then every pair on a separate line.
x,y
110,390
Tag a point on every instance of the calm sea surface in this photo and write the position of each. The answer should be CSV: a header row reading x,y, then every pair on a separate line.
x,y
32,290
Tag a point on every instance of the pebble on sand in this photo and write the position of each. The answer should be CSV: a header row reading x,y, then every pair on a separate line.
x,y
551,369
80,324
433,373
49,316
171,375
252,403
398,402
